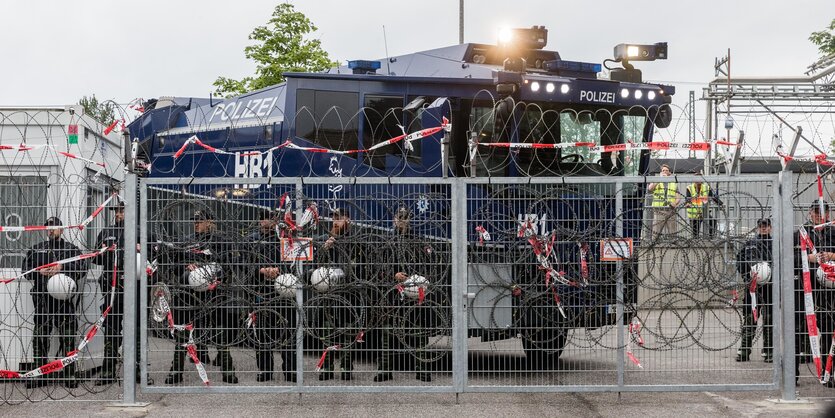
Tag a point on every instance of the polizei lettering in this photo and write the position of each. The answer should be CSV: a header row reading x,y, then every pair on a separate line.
x,y
244,109
597,96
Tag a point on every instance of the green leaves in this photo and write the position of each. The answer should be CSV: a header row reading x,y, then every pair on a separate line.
x,y
103,112
825,39
280,46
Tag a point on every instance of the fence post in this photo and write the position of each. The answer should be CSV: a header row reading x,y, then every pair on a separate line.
x,y
786,247
619,295
458,223
129,280
142,283
299,336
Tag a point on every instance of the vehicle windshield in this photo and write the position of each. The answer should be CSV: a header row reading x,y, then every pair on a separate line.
x,y
554,123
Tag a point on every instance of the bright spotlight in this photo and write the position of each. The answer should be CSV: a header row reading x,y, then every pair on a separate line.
x,y
535,86
505,36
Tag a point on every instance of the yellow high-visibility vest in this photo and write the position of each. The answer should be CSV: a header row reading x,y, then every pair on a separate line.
x,y
697,200
664,194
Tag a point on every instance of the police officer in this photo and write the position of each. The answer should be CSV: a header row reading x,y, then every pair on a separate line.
x,y
665,200
110,236
50,311
267,245
339,249
824,299
756,250
410,256
210,250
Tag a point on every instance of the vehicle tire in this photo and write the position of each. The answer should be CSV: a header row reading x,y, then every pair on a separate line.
x,y
543,348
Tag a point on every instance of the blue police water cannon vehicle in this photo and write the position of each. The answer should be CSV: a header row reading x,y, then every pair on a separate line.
x,y
511,109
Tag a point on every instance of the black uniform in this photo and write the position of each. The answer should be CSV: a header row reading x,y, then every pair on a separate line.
x,y
339,320
49,311
824,298
755,251
406,322
213,321
275,323
113,235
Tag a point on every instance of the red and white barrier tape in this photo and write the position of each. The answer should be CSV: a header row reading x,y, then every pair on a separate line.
x,y
634,334
80,226
734,298
59,262
24,147
48,368
191,349
806,245
321,362
752,292
77,157
661,146
311,214
584,264
112,126
819,159
483,235
536,145
827,375
53,366
405,138
629,146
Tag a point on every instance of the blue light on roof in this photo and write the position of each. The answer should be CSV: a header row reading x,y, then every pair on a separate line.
x,y
562,65
364,64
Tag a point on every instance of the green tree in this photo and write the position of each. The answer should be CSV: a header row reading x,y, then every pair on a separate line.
x,y
280,46
103,112
825,39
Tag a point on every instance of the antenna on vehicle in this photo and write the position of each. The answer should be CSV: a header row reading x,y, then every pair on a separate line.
x,y
386,45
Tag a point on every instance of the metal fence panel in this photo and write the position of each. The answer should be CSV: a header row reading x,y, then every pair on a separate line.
x,y
61,307
499,285
543,267
365,301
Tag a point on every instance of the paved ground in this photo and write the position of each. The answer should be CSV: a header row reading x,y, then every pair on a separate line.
x,y
704,404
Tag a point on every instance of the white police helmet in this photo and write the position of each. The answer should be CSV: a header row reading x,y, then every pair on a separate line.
x,y
412,286
325,277
202,277
60,286
286,284
763,272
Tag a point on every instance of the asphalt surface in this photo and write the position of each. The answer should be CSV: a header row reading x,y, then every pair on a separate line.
x,y
703,404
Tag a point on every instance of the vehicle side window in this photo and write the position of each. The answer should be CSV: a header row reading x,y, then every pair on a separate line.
x,y
328,118
381,117
482,122
633,130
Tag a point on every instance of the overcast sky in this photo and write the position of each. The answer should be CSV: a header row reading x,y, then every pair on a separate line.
x,y
53,52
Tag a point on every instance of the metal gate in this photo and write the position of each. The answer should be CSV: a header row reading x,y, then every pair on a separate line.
x,y
462,285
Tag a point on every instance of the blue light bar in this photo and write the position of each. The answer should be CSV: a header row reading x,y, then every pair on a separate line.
x,y
364,65
576,66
